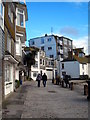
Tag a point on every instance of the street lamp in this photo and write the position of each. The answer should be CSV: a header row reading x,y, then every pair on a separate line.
x,y
53,70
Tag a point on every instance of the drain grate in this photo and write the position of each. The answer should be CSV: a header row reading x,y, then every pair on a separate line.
x,y
52,91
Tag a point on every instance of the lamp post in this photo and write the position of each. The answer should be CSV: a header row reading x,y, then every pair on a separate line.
x,y
53,71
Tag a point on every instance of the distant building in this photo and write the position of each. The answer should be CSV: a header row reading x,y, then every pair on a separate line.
x,y
74,68
77,64
54,46
42,65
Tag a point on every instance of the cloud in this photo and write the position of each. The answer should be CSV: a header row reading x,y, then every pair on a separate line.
x,y
81,42
69,31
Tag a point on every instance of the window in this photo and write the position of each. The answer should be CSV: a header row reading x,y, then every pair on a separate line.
x,y
20,17
62,65
65,50
32,42
70,43
18,46
2,15
58,53
36,64
43,62
7,73
40,61
10,14
1,9
65,41
82,66
61,55
9,43
35,74
49,39
49,63
61,47
49,48
42,48
51,56
42,41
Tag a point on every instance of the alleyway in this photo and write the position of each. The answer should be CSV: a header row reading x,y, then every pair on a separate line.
x,y
50,102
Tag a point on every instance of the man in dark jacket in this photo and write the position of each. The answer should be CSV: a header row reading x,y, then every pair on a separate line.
x,y
44,78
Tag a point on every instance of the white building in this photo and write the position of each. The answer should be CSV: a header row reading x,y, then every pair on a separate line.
x,y
43,65
73,68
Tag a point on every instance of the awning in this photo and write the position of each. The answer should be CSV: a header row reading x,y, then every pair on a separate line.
x,y
10,59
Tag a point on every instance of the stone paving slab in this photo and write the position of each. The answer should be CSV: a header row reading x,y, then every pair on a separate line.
x,y
51,101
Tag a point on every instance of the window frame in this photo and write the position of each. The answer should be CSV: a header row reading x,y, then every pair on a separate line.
x,y
62,65
42,40
23,13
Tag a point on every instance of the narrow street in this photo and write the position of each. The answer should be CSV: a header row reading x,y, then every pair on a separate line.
x,y
52,101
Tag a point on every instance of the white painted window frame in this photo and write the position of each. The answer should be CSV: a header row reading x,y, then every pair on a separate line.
x,y
20,45
17,12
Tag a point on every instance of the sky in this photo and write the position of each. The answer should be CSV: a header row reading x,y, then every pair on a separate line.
x,y
69,19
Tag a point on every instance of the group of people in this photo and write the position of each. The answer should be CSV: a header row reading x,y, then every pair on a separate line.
x,y
43,78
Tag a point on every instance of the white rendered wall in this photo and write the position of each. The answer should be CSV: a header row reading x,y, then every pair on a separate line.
x,y
72,69
36,70
83,70
17,74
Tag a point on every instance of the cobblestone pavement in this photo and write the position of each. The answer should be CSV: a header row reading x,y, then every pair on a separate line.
x,y
45,102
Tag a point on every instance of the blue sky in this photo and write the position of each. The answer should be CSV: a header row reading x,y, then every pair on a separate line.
x,y
69,19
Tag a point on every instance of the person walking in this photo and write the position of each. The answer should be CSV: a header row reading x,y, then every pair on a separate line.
x,y
44,78
39,77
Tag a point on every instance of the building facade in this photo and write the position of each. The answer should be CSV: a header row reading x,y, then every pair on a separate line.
x,y
54,46
21,13
9,57
42,64
73,68
12,40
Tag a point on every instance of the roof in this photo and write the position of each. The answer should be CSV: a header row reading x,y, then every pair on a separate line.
x,y
51,36
82,60
31,48
41,37
69,60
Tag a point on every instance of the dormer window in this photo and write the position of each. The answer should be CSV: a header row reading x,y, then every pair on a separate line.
x,y
20,18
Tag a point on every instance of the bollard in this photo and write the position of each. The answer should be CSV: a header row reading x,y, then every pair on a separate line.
x,y
85,90
71,85
62,83
88,97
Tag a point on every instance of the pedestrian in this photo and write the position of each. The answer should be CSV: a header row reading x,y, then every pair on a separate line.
x,y
44,78
39,77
